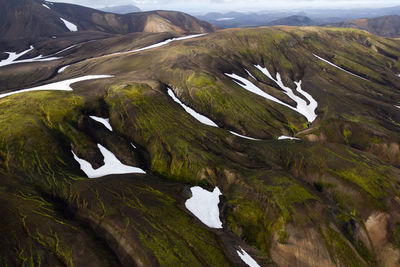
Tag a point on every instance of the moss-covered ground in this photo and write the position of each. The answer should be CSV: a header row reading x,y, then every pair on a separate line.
x,y
344,169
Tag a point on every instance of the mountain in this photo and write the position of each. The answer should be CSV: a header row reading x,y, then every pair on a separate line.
x,y
296,127
241,19
130,142
125,9
34,18
318,16
388,26
293,21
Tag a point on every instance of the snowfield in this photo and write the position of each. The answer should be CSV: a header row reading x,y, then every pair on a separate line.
x,y
111,165
204,205
247,258
330,63
71,27
104,121
58,86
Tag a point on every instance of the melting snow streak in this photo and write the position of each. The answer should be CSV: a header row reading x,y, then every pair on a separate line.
x,y
201,118
111,165
58,86
160,44
193,113
204,205
330,63
283,137
13,56
245,137
247,258
307,110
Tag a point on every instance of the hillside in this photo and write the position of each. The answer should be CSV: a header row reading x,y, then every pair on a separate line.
x,y
388,26
35,18
296,127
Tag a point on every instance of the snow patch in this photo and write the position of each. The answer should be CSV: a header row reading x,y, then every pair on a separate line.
x,y
111,165
71,27
249,86
133,146
330,63
204,205
284,137
104,121
201,118
192,112
165,42
246,258
307,110
245,137
224,19
58,86
46,6
13,58
62,69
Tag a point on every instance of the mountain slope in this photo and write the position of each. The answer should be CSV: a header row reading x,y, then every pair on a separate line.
x,y
388,26
34,18
328,199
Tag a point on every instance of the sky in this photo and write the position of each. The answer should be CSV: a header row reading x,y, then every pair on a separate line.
x,y
236,5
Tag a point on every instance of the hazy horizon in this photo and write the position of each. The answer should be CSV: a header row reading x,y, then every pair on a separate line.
x,y
235,5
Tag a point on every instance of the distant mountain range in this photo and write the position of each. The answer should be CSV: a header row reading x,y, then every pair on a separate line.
x,y
317,16
125,9
388,26
36,18
293,21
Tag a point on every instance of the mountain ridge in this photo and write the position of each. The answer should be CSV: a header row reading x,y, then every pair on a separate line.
x,y
35,18
388,26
